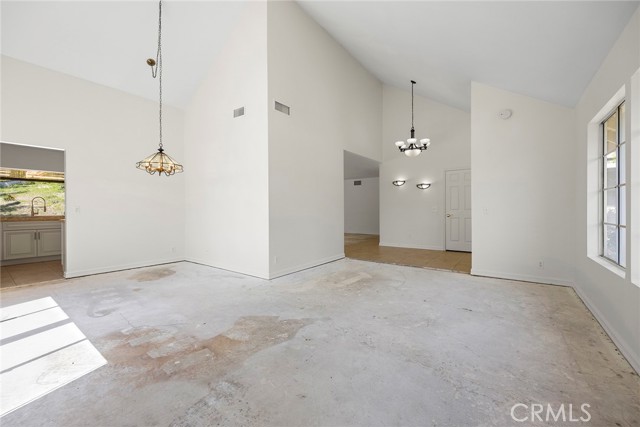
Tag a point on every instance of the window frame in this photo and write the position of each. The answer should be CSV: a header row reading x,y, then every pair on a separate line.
x,y
620,187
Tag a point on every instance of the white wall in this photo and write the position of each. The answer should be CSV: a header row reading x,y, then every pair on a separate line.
x,y
422,212
227,224
14,156
362,206
335,106
615,300
114,211
523,187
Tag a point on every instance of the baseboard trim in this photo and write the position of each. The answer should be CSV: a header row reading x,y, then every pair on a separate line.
x,y
412,246
305,266
30,260
625,349
522,277
208,264
278,273
114,268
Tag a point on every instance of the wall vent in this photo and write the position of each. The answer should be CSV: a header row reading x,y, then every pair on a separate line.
x,y
238,112
283,108
357,182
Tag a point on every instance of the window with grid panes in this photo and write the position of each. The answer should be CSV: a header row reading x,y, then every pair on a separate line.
x,y
612,190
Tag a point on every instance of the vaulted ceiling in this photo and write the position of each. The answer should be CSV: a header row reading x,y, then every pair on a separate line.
x,y
108,42
545,49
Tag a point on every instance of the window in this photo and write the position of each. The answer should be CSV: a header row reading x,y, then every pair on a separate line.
x,y
19,187
613,221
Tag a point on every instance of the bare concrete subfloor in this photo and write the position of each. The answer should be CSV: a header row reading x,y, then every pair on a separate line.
x,y
347,343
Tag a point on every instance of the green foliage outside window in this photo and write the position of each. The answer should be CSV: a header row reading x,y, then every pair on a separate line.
x,y
16,197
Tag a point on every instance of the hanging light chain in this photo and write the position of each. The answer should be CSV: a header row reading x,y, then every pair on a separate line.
x,y
160,63
412,83
156,71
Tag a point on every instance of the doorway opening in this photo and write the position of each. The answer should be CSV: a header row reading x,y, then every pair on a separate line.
x,y
363,244
32,213
361,201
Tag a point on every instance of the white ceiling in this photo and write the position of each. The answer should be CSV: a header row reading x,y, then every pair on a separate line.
x,y
108,42
356,166
546,49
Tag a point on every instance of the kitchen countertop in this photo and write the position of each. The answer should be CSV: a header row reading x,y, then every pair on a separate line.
x,y
31,218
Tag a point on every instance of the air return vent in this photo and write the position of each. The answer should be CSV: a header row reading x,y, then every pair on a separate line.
x,y
283,108
357,182
238,112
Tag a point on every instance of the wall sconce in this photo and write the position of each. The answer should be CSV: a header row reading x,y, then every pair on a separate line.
x,y
399,183
423,186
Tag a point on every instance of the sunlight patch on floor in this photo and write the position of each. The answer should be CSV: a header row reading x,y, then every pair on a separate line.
x,y
41,349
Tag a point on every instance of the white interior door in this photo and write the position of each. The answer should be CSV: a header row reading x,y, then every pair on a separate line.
x,y
458,210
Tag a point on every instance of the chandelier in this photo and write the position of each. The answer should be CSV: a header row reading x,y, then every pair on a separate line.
x,y
159,162
411,147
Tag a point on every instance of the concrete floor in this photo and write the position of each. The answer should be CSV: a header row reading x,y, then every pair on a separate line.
x,y
347,343
366,247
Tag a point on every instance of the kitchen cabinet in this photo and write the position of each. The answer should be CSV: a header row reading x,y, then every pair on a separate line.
x,y
20,244
31,239
49,242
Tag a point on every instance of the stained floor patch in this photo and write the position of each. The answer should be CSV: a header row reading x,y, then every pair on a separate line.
x,y
151,275
345,282
158,354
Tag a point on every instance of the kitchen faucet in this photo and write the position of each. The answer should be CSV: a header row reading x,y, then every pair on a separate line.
x,y
35,211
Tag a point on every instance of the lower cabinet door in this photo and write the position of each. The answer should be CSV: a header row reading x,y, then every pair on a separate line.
x,y
19,244
49,242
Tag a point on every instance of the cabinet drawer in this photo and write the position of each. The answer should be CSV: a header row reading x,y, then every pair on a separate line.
x,y
30,225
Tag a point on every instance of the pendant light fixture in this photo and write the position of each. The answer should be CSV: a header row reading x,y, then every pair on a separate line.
x,y
411,147
159,162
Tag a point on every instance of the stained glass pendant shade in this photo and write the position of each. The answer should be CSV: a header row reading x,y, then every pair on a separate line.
x,y
161,163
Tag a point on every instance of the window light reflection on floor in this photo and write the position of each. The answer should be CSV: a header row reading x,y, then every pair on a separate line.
x,y
41,349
